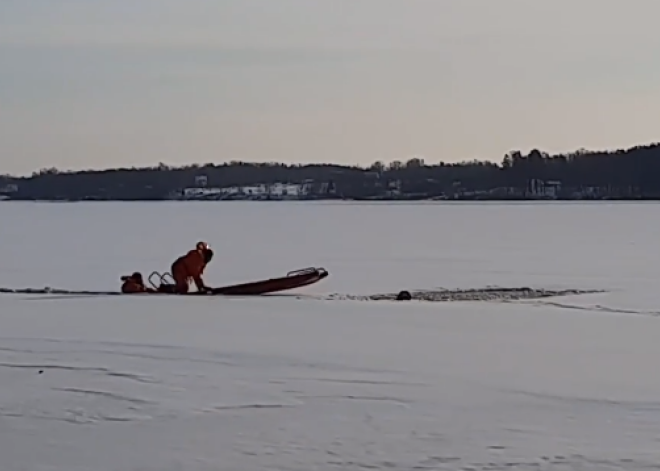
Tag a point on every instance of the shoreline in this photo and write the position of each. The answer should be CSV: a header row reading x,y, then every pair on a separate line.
x,y
340,200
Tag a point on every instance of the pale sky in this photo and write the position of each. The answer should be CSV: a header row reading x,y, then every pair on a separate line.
x,y
105,83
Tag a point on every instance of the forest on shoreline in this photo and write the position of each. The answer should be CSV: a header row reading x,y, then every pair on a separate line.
x,y
620,174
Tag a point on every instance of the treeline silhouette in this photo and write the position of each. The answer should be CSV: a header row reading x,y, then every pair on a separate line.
x,y
627,174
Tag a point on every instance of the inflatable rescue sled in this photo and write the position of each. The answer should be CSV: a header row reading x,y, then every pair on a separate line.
x,y
164,284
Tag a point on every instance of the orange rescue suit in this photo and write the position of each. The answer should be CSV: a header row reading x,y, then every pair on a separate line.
x,y
189,267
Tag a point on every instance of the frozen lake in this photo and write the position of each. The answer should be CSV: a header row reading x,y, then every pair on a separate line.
x,y
281,383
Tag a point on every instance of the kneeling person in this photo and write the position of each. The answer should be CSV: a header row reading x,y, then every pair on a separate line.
x,y
190,267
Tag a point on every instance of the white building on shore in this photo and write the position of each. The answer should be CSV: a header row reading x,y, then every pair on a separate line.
x,y
275,191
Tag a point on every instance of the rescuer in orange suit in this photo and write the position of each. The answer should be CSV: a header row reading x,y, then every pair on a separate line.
x,y
134,284
190,267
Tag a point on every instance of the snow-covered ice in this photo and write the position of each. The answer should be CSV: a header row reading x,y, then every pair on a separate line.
x,y
311,383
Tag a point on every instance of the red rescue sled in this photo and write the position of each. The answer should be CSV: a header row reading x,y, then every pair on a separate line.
x,y
292,280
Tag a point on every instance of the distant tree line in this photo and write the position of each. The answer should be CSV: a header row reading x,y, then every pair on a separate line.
x,y
630,173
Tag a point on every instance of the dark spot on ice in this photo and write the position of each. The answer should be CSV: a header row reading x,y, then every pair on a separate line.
x,y
404,296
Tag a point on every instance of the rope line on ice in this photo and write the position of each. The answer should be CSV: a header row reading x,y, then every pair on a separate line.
x,y
472,294
437,295
48,290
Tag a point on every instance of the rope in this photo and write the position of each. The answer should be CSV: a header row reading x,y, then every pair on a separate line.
x,y
56,291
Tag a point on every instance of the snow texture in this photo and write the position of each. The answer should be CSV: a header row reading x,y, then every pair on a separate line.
x,y
319,379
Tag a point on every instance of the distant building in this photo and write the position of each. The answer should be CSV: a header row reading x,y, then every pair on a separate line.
x,y
277,191
7,190
201,181
544,189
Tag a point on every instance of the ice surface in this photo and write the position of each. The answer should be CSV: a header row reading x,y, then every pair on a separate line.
x,y
286,383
